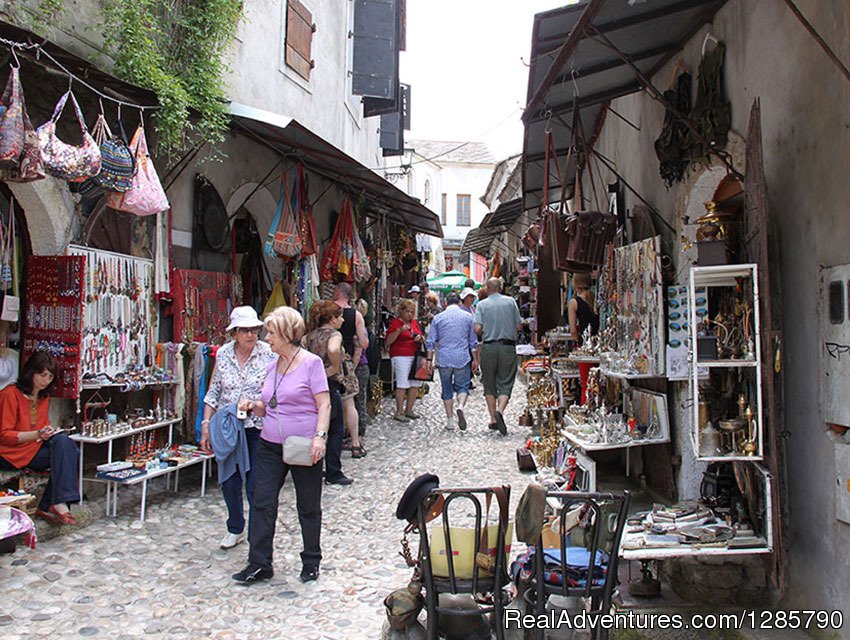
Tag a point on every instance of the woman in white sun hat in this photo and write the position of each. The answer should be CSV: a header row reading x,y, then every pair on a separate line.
x,y
240,371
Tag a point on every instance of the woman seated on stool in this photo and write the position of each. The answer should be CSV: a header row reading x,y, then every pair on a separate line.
x,y
28,440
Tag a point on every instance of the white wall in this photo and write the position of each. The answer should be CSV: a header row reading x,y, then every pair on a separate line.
x,y
470,179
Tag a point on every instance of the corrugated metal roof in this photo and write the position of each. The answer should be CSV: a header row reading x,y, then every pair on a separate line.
x,y
442,151
572,59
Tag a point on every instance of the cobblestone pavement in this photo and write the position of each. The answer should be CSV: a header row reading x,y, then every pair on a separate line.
x,y
166,577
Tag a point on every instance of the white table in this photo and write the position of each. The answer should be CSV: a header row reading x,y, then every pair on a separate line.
x,y
112,485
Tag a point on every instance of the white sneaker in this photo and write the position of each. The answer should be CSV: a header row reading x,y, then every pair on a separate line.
x,y
231,540
450,424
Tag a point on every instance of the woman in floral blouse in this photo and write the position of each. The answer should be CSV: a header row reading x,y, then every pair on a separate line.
x,y
240,371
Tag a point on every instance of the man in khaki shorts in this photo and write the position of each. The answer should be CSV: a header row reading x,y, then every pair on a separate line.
x,y
497,321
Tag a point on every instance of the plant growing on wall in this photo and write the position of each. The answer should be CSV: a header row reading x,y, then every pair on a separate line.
x,y
175,48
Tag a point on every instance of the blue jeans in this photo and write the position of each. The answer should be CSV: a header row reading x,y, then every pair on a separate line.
x,y
232,487
61,455
454,380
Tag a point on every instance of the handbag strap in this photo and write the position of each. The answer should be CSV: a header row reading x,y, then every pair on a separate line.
x,y
60,107
12,89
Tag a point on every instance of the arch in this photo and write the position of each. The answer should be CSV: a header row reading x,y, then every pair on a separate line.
x,y
261,205
49,214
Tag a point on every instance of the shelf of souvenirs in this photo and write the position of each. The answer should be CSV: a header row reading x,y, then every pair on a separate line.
x,y
148,463
596,436
697,529
102,430
129,381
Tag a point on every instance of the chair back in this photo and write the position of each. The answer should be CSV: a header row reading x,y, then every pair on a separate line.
x,y
471,555
584,545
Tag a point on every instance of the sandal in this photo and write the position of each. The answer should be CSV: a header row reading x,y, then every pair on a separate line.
x,y
358,452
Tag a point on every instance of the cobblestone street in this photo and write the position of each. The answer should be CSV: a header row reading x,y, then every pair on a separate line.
x,y
120,578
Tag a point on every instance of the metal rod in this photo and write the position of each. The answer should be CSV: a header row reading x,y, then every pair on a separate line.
x,y
813,32
623,118
257,188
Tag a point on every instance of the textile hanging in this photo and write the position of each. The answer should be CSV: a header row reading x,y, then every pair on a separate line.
x,y
345,258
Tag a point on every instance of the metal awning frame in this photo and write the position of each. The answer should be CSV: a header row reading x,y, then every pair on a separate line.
x,y
585,29
281,135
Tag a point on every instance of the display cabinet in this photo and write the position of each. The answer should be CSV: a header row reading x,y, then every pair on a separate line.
x,y
723,311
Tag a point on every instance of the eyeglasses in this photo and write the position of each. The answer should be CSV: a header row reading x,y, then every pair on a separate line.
x,y
249,330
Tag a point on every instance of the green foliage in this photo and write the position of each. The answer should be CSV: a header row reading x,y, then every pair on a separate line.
x,y
175,48
41,15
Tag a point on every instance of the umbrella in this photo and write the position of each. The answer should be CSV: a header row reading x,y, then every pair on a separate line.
x,y
449,281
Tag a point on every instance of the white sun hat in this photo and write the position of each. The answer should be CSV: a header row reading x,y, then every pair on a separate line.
x,y
244,317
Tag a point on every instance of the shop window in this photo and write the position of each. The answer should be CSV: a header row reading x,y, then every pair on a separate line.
x,y
836,302
443,209
463,210
299,38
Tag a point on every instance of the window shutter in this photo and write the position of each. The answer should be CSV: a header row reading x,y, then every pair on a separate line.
x,y
299,38
376,45
392,134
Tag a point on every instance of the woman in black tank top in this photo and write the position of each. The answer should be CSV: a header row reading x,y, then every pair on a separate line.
x,y
581,311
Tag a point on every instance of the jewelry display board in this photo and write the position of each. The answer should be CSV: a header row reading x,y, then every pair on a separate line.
x,y
640,308
54,316
120,322
202,305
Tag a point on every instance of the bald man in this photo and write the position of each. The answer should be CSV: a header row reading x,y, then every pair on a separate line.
x,y
497,321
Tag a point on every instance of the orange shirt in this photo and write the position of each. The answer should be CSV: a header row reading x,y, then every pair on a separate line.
x,y
15,417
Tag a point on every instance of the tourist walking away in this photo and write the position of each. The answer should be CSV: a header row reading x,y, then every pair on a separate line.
x,y
363,371
453,337
404,340
325,341
240,372
294,402
581,314
27,438
497,321
354,341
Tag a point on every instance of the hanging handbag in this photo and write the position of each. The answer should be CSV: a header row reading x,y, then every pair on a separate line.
x,y
296,451
118,166
11,122
145,197
304,212
287,239
63,160
29,165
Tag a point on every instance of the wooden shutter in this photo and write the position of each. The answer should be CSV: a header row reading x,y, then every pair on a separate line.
x,y
392,134
375,61
761,247
299,38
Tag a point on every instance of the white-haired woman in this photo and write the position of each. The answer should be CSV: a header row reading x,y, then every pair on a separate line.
x,y
240,371
294,402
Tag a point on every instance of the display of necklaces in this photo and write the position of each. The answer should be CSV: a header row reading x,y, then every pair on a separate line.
x,y
54,316
120,323
640,316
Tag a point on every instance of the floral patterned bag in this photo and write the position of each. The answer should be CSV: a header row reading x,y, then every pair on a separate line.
x,y
29,163
63,160
11,122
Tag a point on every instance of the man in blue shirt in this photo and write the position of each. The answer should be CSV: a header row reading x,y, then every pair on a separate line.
x,y
497,321
453,330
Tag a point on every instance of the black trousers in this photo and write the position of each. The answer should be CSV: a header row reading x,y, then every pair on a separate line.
x,y
269,475
61,455
336,432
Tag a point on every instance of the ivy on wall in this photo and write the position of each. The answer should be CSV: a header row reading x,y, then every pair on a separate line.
x,y
175,48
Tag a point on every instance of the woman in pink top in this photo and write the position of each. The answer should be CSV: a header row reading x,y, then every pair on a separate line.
x,y
294,402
